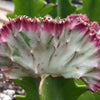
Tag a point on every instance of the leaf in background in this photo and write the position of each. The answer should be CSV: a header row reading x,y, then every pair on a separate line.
x,y
91,8
31,8
79,82
90,96
24,8
87,96
46,9
97,95
28,8
53,13
37,6
60,89
30,85
52,1
65,8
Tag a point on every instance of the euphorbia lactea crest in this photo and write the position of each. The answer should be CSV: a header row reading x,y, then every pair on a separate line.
x,y
67,47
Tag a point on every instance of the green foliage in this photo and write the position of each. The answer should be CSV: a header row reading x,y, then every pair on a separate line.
x,y
30,85
65,8
38,8
53,13
97,95
91,8
31,8
53,1
46,9
53,88
90,96
61,89
87,96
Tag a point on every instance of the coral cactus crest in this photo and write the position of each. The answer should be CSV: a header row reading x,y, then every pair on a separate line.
x,y
68,47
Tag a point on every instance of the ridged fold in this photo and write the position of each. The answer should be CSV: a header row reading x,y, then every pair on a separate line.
x,y
68,47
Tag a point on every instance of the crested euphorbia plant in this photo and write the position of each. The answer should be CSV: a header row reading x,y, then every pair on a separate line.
x,y
42,47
